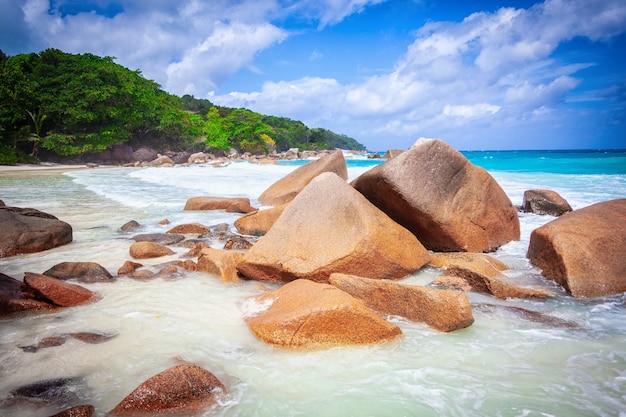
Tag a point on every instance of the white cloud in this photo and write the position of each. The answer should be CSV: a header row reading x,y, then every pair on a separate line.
x,y
228,48
470,111
491,70
327,12
203,42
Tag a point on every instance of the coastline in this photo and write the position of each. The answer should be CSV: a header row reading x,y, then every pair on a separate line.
x,y
46,167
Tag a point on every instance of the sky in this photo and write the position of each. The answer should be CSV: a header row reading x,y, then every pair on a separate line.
x,y
480,75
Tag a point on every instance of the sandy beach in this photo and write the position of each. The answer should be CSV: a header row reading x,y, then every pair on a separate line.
x,y
44,167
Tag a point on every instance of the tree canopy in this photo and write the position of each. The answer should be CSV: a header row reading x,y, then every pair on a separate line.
x,y
72,104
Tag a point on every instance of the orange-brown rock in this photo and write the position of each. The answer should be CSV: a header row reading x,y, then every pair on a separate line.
x,y
26,230
484,274
78,411
307,315
58,292
259,222
285,189
330,227
545,202
190,229
128,268
145,250
81,271
196,249
15,297
444,310
222,263
237,243
584,250
450,282
446,201
182,389
391,153
162,238
230,204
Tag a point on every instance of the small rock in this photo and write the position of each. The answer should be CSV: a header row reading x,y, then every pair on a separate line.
x,y
162,238
183,389
145,250
545,202
130,226
86,272
58,292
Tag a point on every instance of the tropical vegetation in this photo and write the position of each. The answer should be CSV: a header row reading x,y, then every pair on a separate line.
x,y
62,104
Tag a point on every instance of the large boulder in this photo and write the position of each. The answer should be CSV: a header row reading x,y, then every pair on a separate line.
x,y
285,189
584,250
308,315
329,227
26,230
230,204
181,390
444,310
257,223
58,292
545,202
446,201
484,274
87,272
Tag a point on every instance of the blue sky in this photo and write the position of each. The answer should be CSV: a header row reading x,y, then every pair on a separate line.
x,y
480,75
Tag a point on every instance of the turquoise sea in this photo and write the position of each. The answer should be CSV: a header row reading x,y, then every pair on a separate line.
x,y
505,364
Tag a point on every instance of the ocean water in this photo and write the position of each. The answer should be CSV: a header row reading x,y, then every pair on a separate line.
x,y
503,365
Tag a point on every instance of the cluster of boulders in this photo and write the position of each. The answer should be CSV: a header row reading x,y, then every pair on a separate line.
x,y
336,249
124,155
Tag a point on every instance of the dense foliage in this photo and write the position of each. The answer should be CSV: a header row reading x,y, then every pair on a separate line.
x,y
72,104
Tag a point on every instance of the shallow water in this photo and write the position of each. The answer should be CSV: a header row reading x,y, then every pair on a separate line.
x,y
503,365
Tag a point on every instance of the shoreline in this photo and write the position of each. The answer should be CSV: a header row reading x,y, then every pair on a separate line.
x,y
47,168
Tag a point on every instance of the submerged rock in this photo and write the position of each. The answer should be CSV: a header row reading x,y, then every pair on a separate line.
x,y
545,202
330,227
182,389
442,198
584,250
26,230
444,310
307,315
58,390
286,189
78,411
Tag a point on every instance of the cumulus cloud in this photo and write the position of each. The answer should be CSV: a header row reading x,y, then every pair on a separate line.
x,y
489,70
228,48
188,47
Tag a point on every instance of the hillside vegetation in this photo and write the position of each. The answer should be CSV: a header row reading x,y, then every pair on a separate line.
x,y
60,104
